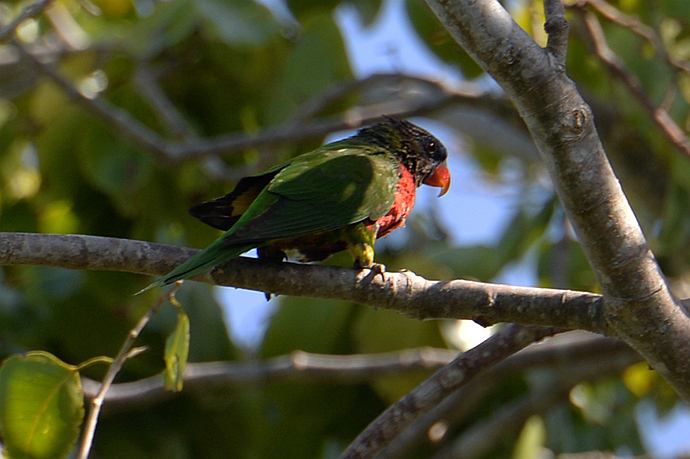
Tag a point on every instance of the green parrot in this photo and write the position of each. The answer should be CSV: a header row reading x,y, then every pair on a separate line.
x,y
341,196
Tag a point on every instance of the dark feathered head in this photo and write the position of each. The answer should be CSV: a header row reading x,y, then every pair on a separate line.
x,y
419,151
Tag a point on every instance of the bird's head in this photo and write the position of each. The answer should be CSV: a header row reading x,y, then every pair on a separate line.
x,y
419,151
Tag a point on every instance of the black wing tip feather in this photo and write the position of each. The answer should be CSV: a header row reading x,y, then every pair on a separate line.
x,y
218,212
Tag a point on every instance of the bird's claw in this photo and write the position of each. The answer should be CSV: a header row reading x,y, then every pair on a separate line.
x,y
377,269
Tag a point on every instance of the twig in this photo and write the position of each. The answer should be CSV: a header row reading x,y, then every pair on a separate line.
x,y
28,12
557,29
126,352
404,292
298,366
432,391
616,66
614,15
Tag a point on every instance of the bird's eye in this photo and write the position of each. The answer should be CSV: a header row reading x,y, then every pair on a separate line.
x,y
435,150
430,147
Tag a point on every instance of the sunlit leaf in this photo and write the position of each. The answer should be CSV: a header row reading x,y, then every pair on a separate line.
x,y
41,406
531,441
176,353
639,378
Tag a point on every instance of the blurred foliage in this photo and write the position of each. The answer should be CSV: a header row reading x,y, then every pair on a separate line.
x,y
188,69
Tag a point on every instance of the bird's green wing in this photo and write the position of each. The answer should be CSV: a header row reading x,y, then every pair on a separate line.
x,y
321,191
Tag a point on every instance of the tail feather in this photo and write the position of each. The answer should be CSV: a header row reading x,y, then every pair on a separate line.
x,y
212,255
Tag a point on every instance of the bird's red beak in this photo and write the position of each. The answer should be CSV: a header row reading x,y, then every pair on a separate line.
x,y
439,178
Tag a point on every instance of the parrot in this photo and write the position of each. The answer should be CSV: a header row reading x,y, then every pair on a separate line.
x,y
341,196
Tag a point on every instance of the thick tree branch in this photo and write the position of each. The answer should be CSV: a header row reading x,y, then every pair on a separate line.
x,y
405,292
639,307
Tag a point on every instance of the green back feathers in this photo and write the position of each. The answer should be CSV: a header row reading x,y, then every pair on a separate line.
x,y
320,191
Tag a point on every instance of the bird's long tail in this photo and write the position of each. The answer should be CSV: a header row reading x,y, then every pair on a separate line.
x,y
212,255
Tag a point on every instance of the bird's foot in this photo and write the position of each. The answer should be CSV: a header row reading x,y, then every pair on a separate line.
x,y
377,269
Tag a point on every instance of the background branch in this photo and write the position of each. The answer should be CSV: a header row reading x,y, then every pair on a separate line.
x,y
617,67
298,366
191,149
560,357
431,392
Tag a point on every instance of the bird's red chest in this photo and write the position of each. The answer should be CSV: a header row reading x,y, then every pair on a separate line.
x,y
405,192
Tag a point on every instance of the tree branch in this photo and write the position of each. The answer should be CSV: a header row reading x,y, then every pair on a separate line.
x,y
614,15
639,307
431,392
617,67
561,356
191,149
298,366
404,292
487,435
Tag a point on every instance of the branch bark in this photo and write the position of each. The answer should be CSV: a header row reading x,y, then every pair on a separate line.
x,y
639,306
404,292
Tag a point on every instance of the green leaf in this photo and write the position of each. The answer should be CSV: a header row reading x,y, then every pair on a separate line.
x,y
301,8
366,9
531,440
317,61
41,406
114,167
675,226
565,261
438,40
176,353
528,224
239,22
